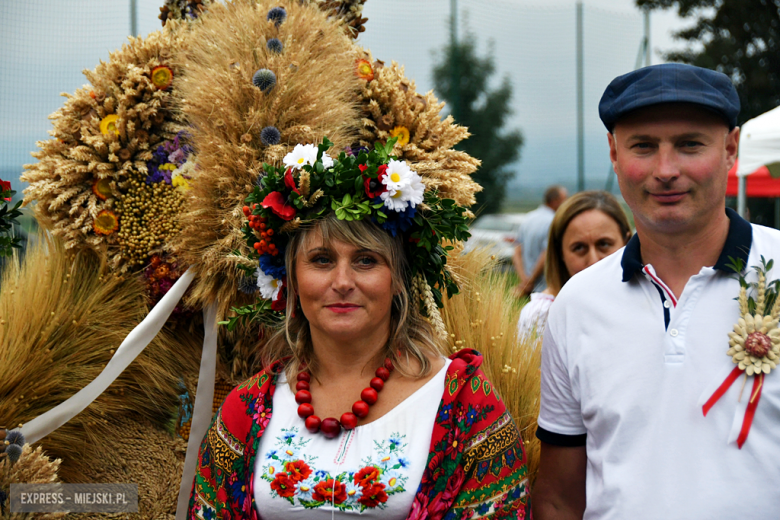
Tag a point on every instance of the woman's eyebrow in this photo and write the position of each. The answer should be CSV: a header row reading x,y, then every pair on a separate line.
x,y
318,249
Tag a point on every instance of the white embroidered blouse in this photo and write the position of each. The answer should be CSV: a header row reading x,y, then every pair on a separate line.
x,y
373,471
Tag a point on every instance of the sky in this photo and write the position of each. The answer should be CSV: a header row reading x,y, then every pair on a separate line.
x,y
47,44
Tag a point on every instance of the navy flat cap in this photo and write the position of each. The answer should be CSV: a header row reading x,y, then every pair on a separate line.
x,y
669,83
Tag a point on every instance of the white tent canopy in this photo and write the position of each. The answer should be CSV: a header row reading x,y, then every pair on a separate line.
x,y
759,145
759,142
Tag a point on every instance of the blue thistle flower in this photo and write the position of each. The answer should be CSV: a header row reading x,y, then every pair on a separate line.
x,y
274,45
15,437
264,79
270,135
277,15
14,451
247,285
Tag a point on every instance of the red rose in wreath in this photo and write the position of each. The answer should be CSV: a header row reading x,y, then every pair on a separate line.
x,y
375,187
283,485
278,204
289,181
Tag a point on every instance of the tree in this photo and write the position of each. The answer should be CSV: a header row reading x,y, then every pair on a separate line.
x,y
740,38
484,110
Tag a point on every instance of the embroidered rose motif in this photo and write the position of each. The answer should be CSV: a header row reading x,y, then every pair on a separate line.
x,y
298,470
283,485
330,491
293,475
373,495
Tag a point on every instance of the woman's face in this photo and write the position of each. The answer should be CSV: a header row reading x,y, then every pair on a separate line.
x,y
589,237
346,293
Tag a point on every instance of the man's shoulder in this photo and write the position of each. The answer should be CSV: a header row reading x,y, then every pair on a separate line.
x,y
766,240
541,213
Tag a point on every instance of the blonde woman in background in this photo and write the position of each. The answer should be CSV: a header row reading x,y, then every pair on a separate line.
x,y
587,227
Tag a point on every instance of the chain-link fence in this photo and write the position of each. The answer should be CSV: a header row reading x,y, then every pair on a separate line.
x,y
46,44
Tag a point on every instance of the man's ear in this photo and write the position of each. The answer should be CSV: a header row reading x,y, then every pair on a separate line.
x,y
612,149
732,147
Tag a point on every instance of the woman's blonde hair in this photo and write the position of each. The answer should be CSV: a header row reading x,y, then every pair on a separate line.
x,y
555,270
411,335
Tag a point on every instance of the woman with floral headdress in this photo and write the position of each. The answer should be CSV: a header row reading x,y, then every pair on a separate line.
x,y
356,410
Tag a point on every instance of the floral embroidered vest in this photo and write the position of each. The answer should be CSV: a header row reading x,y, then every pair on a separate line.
x,y
476,466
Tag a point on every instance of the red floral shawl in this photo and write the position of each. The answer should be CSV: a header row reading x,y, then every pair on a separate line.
x,y
476,465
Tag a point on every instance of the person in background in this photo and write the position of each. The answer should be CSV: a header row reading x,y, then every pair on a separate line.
x,y
657,401
587,227
532,242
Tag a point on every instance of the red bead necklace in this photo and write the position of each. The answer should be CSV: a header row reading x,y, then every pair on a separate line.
x,y
330,426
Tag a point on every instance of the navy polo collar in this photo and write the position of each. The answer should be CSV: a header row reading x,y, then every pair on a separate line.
x,y
738,242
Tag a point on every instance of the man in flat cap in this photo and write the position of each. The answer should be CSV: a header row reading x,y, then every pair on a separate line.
x,y
650,408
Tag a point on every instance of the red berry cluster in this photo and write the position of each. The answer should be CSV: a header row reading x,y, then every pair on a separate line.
x,y
330,426
258,223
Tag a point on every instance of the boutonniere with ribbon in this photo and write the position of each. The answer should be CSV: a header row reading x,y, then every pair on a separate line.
x,y
754,344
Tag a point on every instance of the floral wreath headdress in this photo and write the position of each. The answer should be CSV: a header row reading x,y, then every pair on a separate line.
x,y
359,185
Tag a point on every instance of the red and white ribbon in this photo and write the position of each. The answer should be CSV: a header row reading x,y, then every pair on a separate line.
x,y
741,429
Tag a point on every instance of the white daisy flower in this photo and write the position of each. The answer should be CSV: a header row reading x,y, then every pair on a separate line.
x,y
394,200
399,175
269,286
327,161
301,154
414,194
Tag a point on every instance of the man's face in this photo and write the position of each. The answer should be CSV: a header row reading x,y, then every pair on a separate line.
x,y
672,163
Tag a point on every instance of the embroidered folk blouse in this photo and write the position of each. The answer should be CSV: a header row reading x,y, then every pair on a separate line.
x,y
476,465
373,470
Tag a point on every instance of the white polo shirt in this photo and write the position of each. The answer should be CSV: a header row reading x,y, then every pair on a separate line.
x,y
625,370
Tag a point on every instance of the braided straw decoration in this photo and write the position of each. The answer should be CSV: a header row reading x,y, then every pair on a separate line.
x,y
421,290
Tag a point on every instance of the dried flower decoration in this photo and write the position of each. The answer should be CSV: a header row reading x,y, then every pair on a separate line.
x,y
102,188
315,96
90,177
264,79
391,101
274,45
364,70
277,15
108,125
754,344
402,133
270,136
106,222
186,10
162,77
